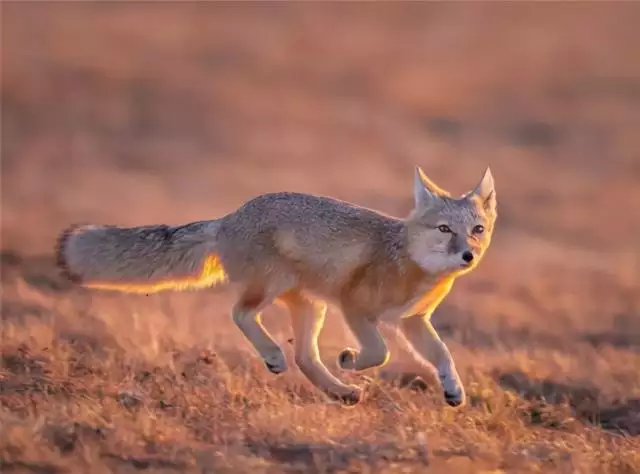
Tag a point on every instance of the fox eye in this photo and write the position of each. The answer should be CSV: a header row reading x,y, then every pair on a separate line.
x,y
479,229
444,228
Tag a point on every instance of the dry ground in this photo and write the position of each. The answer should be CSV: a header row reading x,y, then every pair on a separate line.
x,y
135,114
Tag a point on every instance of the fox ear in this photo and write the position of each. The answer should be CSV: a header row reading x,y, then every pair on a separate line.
x,y
425,191
486,191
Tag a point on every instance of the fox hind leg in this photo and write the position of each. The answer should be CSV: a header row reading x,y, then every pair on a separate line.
x,y
247,316
373,349
307,317
425,342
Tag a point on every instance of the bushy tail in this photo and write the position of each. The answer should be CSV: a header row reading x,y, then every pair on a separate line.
x,y
141,259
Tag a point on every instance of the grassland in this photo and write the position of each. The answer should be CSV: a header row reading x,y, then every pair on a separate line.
x,y
139,113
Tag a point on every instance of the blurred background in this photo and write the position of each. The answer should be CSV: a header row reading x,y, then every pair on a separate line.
x,y
136,113
133,114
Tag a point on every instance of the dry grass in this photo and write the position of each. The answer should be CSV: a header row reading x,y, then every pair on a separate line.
x,y
134,114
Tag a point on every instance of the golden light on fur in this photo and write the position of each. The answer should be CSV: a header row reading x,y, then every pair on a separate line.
x,y
212,273
432,298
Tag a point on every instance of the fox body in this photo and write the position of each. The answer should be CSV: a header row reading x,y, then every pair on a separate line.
x,y
301,251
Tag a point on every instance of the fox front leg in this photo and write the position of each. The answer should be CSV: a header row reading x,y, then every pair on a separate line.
x,y
424,340
373,350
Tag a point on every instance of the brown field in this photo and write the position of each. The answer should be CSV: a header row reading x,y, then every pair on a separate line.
x,y
139,114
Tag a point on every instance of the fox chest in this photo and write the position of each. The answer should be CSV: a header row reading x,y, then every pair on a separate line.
x,y
424,301
393,300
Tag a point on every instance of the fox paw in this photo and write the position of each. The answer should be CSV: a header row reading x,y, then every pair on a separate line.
x,y
347,359
453,390
455,399
350,398
276,365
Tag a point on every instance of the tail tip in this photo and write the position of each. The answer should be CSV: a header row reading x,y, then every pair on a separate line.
x,y
61,260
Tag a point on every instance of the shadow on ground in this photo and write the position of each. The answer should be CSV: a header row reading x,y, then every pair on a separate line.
x,y
618,416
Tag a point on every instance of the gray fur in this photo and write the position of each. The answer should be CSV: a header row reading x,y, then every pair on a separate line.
x,y
137,254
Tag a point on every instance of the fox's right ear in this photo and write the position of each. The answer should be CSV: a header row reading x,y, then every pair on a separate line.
x,y
425,191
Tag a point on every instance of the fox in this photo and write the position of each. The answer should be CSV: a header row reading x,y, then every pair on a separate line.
x,y
303,251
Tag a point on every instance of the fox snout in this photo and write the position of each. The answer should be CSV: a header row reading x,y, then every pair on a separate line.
x,y
459,245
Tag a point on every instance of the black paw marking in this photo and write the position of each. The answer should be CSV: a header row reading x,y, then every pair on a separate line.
x,y
347,358
454,399
274,369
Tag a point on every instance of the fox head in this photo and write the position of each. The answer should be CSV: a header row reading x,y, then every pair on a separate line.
x,y
449,235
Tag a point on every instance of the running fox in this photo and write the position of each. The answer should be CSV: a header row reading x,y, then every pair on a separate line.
x,y
301,250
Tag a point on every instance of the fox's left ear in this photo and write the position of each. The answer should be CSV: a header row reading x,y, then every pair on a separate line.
x,y
486,191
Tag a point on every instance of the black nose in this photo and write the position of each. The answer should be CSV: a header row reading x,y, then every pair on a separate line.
x,y
467,256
